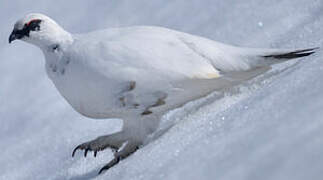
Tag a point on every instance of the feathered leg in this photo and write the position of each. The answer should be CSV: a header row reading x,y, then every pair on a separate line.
x,y
113,141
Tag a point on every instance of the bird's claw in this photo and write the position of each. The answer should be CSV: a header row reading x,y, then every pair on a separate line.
x,y
83,147
119,156
88,146
113,162
114,142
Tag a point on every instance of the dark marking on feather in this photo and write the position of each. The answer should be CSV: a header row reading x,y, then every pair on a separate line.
x,y
294,54
146,112
159,102
123,102
132,85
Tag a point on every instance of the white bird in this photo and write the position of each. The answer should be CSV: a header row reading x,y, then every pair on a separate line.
x,y
136,74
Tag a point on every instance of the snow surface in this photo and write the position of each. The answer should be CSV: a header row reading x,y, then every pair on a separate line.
x,y
268,128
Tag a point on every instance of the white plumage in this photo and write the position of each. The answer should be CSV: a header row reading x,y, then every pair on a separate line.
x,y
137,73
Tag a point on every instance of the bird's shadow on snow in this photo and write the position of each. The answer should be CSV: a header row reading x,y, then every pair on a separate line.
x,y
87,176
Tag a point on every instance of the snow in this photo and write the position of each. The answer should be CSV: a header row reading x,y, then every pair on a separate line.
x,y
268,128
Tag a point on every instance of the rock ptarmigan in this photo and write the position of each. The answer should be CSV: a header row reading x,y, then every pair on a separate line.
x,y
136,73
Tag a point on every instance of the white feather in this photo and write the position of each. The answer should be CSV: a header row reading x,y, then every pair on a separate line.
x,y
127,72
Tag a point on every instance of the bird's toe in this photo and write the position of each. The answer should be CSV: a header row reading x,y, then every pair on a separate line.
x,y
94,146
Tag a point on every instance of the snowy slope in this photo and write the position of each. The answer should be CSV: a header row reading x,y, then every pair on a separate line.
x,y
268,128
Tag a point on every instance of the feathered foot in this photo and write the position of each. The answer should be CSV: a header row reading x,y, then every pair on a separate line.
x,y
113,141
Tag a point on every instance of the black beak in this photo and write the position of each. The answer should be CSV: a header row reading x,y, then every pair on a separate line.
x,y
15,35
12,36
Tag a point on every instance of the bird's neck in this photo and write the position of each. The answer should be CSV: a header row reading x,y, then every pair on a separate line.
x,y
53,40
54,48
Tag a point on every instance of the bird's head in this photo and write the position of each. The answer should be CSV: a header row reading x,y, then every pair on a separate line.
x,y
39,30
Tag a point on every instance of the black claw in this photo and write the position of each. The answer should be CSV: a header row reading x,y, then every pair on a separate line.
x,y
101,170
110,164
95,152
85,152
87,148
78,147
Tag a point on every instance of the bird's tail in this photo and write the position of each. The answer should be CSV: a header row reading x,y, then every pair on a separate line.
x,y
291,54
255,58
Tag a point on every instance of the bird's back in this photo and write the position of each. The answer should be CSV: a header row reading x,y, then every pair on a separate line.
x,y
155,49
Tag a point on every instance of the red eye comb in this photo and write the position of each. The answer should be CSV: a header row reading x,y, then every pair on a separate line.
x,y
33,20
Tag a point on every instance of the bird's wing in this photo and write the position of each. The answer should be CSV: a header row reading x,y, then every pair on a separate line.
x,y
146,55
179,54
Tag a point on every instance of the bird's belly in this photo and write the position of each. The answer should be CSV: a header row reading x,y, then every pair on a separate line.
x,y
91,95
95,103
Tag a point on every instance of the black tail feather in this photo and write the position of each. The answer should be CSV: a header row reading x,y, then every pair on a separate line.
x,y
293,54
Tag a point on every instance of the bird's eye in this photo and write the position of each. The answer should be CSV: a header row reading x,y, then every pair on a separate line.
x,y
33,25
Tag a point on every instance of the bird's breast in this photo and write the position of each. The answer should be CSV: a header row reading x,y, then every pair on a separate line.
x,y
86,90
